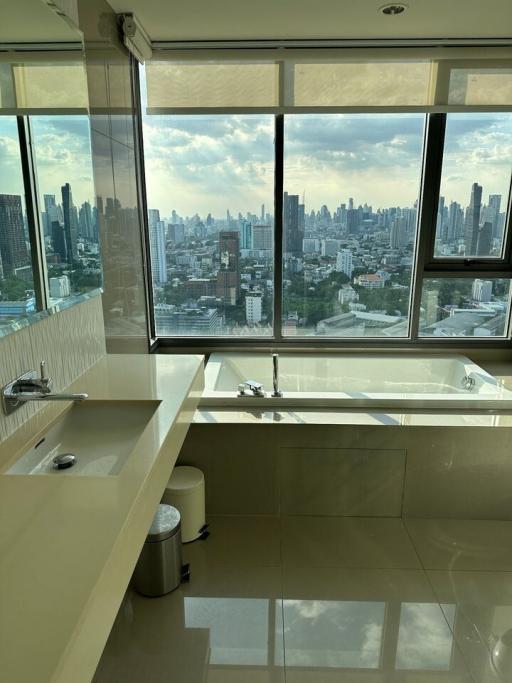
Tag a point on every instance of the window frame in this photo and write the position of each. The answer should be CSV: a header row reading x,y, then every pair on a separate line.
x,y
426,266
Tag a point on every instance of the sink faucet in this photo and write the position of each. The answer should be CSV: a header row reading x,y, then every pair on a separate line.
x,y
33,387
275,376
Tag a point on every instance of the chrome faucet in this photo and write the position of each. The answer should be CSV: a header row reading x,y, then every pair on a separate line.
x,y
33,387
255,387
275,376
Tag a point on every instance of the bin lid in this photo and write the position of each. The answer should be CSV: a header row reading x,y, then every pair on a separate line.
x,y
184,478
166,523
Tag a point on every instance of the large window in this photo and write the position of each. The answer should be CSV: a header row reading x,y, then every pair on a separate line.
x,y
350,209
323,195
210,193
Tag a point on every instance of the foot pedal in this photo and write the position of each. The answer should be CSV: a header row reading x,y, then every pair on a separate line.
x,y
203,533
185,573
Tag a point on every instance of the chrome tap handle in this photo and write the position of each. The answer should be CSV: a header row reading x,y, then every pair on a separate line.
x,y
43,371
275,376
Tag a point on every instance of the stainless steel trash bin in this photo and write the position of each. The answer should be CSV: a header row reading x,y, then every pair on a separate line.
x,y
159,568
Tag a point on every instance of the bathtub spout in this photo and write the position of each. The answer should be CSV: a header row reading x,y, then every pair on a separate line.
x,y
275,376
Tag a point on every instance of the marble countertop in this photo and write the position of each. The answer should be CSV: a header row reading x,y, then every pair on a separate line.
x,y
68,545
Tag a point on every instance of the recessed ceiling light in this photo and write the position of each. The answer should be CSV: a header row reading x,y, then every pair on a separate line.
x,y
392,10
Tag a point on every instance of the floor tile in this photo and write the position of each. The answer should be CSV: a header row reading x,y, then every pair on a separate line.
x,y
238,540
366,624
222,626
347,542
462,544
483,627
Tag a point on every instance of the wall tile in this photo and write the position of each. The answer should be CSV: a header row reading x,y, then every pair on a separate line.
x,y
70,341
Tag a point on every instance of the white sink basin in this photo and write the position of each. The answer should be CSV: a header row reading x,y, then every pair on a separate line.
x,y
100,434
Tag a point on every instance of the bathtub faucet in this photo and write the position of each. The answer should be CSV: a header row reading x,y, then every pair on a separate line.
x,y
255,387
275,376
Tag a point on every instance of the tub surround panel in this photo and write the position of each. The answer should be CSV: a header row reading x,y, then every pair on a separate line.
x,y
70,341
68,545
342,481
300,468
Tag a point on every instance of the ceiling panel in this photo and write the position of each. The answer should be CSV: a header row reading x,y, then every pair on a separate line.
x,y
310,19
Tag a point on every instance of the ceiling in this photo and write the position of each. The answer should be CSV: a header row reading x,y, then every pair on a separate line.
x,y
32,21
310,19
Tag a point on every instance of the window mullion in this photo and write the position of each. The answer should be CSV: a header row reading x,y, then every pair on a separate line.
x,y
37,255
430,184
278,226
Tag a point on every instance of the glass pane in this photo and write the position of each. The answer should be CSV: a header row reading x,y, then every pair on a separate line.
x,y
16,281
464,307
210,190
475,184
425,641
350,212
333,634
69,217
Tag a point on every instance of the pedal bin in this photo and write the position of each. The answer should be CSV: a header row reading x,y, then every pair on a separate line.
x,y
159,567
186,492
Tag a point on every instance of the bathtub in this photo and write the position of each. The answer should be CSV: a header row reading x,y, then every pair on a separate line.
x,y
450,382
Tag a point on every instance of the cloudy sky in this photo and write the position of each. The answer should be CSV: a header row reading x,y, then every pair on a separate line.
x,y
212,163
63,155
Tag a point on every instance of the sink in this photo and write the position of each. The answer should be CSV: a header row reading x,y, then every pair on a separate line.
x,y
100,434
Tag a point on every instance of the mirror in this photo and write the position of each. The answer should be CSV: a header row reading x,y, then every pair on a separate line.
x,y
49,225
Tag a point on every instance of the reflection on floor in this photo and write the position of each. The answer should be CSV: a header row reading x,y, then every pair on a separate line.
x,y
321,600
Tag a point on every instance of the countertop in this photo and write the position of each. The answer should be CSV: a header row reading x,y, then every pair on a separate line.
x,y
68,545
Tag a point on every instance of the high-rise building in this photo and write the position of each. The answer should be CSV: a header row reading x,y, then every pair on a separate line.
x,y
70,223
85,221
157,249
176,232
293,233
482,291
472,221
228,275
59,241
344,262
494,208
262,237
484,243
398,237
13,247
246,235
253,308
329,247
51,213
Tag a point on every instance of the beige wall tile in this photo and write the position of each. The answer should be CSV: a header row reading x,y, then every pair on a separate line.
x,y
70,341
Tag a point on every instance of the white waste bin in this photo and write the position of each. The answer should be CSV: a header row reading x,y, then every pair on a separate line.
x,y
186,492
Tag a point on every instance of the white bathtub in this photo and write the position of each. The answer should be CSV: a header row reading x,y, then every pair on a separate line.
x,y
355,381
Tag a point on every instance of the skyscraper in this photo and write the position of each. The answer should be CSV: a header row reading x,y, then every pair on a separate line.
x,y
344,262
157,249
484,243
472,221
70,223
262,237
246,235
293,233
228,275
13,248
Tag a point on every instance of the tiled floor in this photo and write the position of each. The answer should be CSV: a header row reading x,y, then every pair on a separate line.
x,y
325,600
